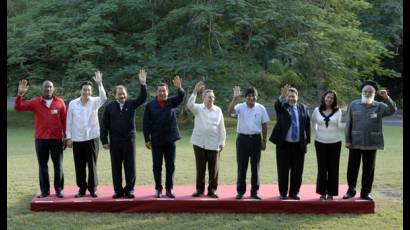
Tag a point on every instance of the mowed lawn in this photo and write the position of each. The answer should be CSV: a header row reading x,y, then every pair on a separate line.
x,y
22,184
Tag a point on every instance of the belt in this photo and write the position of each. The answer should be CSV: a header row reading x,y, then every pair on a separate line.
x,y
250,135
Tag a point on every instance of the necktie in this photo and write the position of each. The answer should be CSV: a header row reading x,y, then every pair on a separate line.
x,y
294,131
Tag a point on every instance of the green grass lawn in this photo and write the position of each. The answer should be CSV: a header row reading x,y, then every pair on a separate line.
x,y
22,184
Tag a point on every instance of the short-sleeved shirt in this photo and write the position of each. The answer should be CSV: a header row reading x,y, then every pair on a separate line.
x,y
250,120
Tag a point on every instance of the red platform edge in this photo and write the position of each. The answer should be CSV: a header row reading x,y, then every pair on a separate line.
x,y
145,202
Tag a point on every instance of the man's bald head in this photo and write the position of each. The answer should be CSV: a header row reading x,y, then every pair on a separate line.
x,y
48,89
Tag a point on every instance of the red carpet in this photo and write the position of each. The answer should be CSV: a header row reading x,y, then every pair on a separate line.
x,y
144,201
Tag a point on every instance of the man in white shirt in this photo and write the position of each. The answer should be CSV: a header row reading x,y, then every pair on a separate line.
x,y
208,138
83,132
252,122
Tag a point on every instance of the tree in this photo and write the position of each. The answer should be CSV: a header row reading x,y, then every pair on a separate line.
x,y
312,44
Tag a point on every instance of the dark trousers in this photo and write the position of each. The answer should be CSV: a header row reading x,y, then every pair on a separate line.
x,y
123,153
328,157
289,157
85,155
167,152
45,148
368,157
203,156
248,146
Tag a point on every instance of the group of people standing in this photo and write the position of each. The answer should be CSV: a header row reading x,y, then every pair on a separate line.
x,y
78,127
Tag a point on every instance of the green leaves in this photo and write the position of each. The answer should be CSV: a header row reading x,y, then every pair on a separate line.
x,y
265,43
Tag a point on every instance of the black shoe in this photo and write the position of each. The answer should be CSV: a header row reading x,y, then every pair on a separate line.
x,y
170,194
283,197
294,197
43,194
239,196
60,194
256,196
197,194
158,194
80,193
366,197
129,195
322,197
213,194
93,194
349,194
117,195
329,197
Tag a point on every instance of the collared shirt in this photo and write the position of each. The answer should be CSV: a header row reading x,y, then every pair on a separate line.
x,y
209,126
49,122
250,120
48,102
82,120
289,134
121,105
161,103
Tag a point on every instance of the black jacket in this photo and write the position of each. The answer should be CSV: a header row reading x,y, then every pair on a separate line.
x,y
160,124
120,125
283,123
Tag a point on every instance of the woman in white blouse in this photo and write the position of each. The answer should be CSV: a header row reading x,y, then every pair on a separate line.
x,y
326,120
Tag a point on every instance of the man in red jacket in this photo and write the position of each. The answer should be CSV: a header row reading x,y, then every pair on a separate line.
x,y
50,123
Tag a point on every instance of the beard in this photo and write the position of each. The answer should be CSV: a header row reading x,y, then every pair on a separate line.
x,y
367,100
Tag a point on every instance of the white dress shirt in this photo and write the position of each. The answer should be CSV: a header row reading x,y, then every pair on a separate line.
x,y
330,134
250,120
82,120
209,126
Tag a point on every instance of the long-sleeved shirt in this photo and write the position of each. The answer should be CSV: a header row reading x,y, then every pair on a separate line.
x,y
82,120
209,126
330,133
49,122
119,122
364,124
160,123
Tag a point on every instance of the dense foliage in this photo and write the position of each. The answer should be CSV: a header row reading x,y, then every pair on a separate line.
x,y
313,45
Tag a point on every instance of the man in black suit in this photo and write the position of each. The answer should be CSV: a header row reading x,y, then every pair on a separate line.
x,y
160,133
291,135
118,121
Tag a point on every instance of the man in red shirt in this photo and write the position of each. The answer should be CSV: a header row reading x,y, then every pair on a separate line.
x,y
50,123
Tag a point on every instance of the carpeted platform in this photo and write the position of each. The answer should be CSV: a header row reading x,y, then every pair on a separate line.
x,y
144,201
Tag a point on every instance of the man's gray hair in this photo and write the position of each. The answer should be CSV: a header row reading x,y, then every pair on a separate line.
x,y
206,92
294,90
119,87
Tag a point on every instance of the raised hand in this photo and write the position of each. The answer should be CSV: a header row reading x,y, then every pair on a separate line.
x,y
23,87
383,94
142,76
236,91
177,81
285,90
343,109
98,77
199,87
